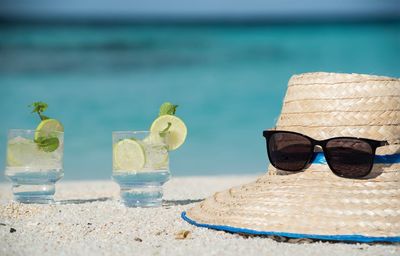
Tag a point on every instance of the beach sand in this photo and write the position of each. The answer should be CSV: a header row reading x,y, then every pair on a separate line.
x,y
89,220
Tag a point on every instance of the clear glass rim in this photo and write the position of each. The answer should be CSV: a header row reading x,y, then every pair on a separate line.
x,y
132,131
30,131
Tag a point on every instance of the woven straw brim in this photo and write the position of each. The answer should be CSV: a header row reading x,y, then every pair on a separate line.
x,y
315,201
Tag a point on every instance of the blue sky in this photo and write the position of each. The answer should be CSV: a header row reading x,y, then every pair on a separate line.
x,y
204,8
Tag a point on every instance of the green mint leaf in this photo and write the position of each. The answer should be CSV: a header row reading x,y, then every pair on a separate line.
x,y
47,144
163,133
167,108
39,107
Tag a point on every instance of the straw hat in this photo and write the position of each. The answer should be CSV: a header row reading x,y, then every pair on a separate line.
x,y
315,203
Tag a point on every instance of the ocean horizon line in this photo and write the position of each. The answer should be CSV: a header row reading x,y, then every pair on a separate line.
x,y
198,21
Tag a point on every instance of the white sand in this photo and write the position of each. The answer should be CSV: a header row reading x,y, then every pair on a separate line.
x,y
92,222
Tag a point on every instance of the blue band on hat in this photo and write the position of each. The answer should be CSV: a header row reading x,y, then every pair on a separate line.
x,y
349,238
319,158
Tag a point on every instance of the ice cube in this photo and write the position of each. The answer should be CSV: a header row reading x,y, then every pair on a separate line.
x,y
156,156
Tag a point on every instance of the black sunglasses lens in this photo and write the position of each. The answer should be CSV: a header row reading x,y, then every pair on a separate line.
x,y
350,158
289,151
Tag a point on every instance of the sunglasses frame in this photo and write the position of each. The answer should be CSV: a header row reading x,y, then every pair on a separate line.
x,y
374,144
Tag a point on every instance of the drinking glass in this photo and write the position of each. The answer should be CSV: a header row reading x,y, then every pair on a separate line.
x,y
140,167
34,164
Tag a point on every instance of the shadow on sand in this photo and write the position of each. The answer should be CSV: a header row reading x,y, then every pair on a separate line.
x,y
180,202
103,199
83,201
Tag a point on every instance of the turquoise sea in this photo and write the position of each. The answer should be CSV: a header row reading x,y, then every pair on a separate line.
x,y
228,80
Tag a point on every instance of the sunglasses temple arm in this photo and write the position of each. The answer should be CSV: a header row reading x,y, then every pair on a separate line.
x,y
383,143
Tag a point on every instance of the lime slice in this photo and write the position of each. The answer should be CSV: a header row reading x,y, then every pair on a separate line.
x,y
46,127
21,151
128,155
12,159
176,133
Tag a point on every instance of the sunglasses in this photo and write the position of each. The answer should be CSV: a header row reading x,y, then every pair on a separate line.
x,y
347,157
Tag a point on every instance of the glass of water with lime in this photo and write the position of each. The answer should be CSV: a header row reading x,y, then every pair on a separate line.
x,y
141,158
35,159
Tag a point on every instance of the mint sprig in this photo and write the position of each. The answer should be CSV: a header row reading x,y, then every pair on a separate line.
x,y
47,142
39,107
164,132
167,108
